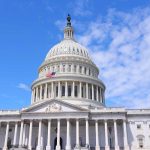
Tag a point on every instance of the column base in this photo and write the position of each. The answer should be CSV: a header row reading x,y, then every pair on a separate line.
x,y
58,147
39,148
68,148
126,147
97,147
48,147
107,148
77,147
29,147
5,148
117,147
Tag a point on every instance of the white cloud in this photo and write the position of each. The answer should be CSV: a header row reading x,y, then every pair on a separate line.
x,y
80,8
23,87
120,46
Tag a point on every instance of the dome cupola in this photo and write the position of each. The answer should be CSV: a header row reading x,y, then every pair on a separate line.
x,y
68,31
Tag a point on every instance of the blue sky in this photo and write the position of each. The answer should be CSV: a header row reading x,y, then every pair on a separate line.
x,y
117,34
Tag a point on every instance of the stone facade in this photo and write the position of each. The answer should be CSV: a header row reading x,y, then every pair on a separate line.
x,y
68,109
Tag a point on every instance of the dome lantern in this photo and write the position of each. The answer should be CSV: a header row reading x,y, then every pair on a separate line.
x,y
68,31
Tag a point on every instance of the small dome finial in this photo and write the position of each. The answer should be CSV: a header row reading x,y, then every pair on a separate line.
x,y
68,20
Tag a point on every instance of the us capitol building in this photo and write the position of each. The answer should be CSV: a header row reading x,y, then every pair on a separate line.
x,y
68,108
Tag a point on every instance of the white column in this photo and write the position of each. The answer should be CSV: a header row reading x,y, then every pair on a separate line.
x,y
39,146
30,135
68,140
41,92
15,133
77,134
6,137
106,136
34,98
92,92
52,90
49,91
97,93
32,95
21,134
126,146
37,94
48,147
100,94
58,135
45,92
24,135
73,84
116,135
66,89
80,89
87,133
59,90
87,91
97,147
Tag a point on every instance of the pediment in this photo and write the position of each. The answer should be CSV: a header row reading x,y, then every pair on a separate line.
x,y
53,106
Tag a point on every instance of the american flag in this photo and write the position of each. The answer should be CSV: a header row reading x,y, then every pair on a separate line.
x,y
50,74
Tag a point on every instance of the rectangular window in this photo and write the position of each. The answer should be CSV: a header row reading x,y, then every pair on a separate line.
x,y
63,90
76,91
69,90
56,91
138,126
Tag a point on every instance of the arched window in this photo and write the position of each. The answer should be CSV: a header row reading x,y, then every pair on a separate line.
x,y
140,139
58,68
85,70
63,68
80,69
69,68
75,68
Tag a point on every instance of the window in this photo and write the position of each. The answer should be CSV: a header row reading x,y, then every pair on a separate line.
x,y
53,68
140,139
69,68
89,72
138,126
69,90
82,92
140,142
58,68
85,70
42,92
63,68
63,90
75,68
76,91
95,93
57,91
80,70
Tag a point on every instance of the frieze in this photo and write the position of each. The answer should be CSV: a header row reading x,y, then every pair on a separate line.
x,y
53,108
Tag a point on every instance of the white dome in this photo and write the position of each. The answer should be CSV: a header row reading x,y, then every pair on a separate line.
x,y
67,47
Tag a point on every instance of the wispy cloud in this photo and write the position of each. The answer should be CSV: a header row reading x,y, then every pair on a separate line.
x,y
80,8
120,46
23,86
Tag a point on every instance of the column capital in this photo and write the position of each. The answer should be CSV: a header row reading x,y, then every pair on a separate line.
x,y
105,120
115,120
87,119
